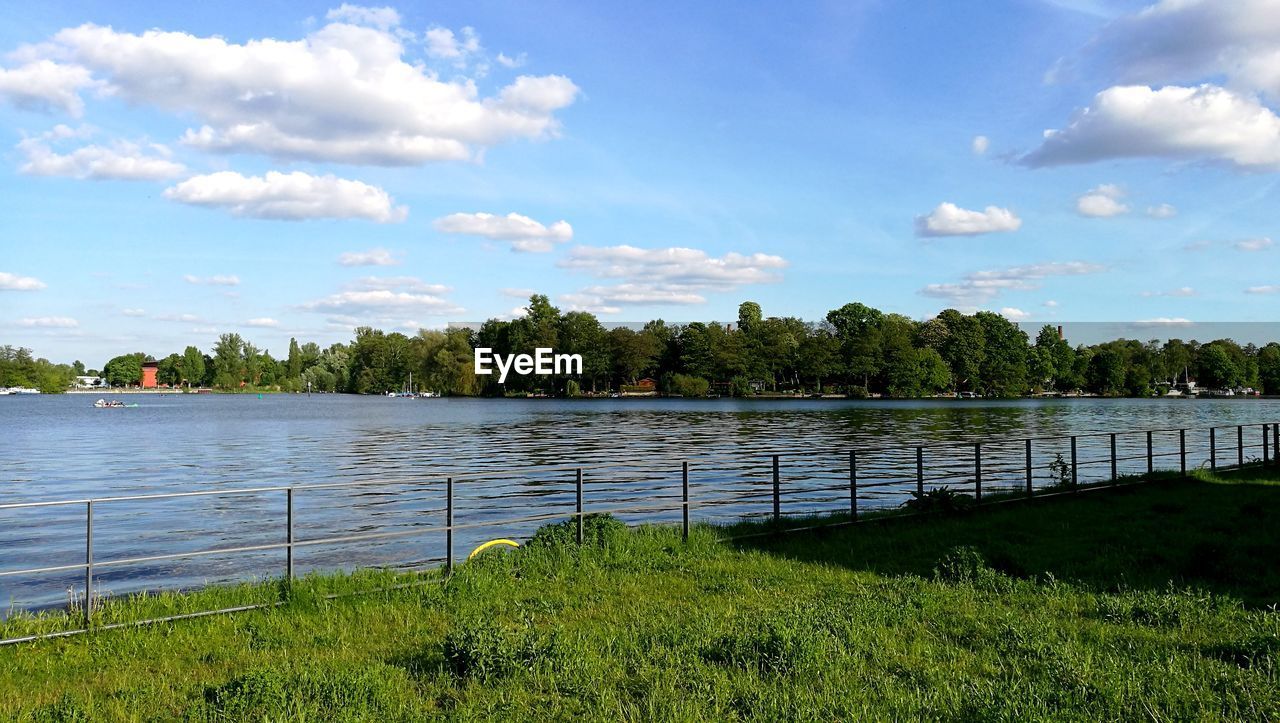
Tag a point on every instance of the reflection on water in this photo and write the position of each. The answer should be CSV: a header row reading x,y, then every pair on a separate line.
x,y
63,448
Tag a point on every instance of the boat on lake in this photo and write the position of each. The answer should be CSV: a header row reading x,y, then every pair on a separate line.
x,y
112,404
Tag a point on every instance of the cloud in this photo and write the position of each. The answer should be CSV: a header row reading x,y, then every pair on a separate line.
x,y
121,160
524,233
1183,291
179,318
443,43
1268,289
1102,202
372,257
380,298
44,85
507,61
980,145
1051,304
662,276
1014,314
1205,122
518,293
14,282
949,219
1254,244
981,286
1164,321
50,322
288,196
216,280
1164,210
133,312
347,92
263,322
1186,40
383,18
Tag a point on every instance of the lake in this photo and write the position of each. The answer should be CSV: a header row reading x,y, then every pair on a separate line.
x,y
61,447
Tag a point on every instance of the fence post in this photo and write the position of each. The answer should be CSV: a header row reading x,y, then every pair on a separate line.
x,y
578,504
1275,442
1239,445
1213,449
288,550
920,471
1030,491
777,492
1182,450
1075,480
88,563
448,526
1151,461
684,483
1113,458
977,471
1266,442
853,484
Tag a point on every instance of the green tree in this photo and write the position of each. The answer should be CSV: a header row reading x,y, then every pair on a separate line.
x,y
228,361
858,328
192,366
124,370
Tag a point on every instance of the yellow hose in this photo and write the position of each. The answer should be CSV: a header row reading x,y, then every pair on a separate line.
x,y
492,543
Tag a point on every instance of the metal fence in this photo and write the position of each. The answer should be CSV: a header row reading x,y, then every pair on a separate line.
x,y
786,485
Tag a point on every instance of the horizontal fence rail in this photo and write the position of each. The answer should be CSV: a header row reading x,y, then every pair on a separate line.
x,y
851,483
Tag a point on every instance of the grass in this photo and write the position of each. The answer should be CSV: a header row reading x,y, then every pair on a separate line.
x,y
1144,602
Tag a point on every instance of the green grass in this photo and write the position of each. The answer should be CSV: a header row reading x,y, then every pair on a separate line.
x,y
1145,602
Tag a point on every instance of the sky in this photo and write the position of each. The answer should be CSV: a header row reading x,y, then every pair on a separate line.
x,y
173,171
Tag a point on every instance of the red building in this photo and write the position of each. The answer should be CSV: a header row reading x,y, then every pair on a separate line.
x,y
149,369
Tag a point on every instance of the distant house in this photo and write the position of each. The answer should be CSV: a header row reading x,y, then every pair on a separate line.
x,y
149,369
89,382
643,388
646,385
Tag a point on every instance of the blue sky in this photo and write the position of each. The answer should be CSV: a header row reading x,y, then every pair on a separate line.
x,y
296,169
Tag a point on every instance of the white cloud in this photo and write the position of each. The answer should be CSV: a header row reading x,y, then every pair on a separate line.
x,y
507,61
133,312
121,160
263,322
1051,304
982,286
1268,289
662,276
980,145
372,257
524,233
44,85
1254,244
14,282
345,93
383,18
1164,210
216,280
1164,321
949,219
1102,202
443,43
381,298
180,318
1204,122
50,322
518,293
1186,40
288,196
1182,291
1014,314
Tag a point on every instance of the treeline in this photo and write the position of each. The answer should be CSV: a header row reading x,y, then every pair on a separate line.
x,y
856,350
19,368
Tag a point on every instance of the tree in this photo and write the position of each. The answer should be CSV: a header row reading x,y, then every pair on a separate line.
x,y
749,316
1215,367
228,361
294,363
1269,368
124,370
192,366
1003,370
962,346
858,328
169,370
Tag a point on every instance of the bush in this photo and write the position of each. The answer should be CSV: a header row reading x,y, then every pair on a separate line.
x,y
484,649
943,500
688,386
597,530
965,565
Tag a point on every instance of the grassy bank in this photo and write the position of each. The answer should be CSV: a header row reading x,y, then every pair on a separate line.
x,y
1144,602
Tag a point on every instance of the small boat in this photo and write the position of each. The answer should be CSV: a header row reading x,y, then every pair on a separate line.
x,y
112,404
